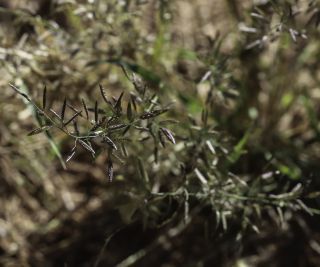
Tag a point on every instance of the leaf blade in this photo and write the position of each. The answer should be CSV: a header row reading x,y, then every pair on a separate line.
x,y
39,130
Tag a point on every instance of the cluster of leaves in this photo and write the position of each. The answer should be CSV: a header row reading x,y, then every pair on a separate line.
x,y
200,164
279,18
110,128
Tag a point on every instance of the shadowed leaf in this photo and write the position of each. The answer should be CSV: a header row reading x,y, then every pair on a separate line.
x,y
96,115
129,112
44,97
63,109
110,171
117,105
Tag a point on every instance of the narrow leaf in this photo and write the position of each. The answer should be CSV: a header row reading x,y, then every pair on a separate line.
x,y
75,127
168,134
110,170
125,72
117,105
152,114
117,127
129,112
133,100
19,92
71,156
293,34
73,108
108,140
44,97
239,148
39,130
200,176
85,108
63,110
126,129
86,146
103,94
72,118
55,113
118,158
96,115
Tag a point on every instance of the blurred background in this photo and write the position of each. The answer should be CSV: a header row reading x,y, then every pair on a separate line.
x,y
253,64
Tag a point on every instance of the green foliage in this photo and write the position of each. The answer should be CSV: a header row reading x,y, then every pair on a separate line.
x,y
229,130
